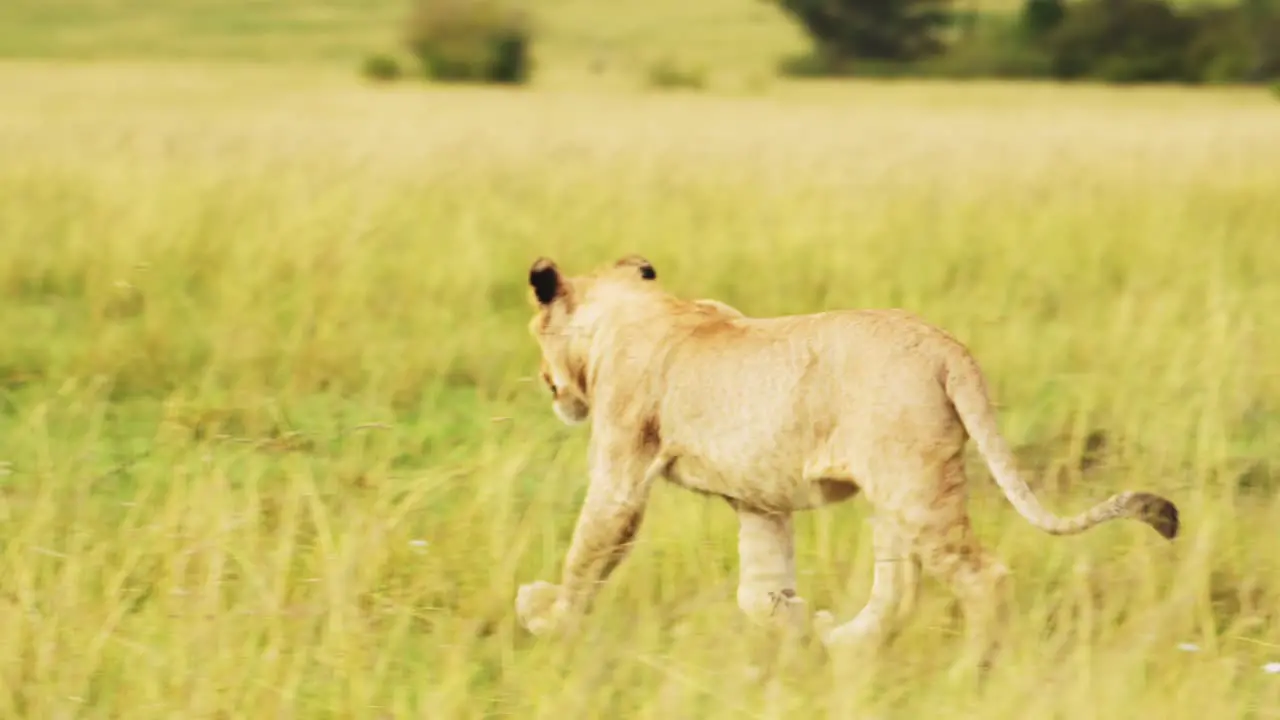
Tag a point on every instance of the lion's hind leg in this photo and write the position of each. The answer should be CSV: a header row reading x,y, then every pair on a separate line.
x,y
950,551
893,590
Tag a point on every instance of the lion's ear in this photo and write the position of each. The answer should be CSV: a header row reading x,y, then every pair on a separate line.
x,y
644,267
544,278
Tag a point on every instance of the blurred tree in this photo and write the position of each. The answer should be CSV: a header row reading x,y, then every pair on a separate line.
x,y
1157,40
471,40
879,30
1123,41
1040,17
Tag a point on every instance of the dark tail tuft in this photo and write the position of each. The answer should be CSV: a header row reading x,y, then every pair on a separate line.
x,y
1156,512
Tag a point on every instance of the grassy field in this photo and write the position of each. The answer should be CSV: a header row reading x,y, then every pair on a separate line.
x,y
270,444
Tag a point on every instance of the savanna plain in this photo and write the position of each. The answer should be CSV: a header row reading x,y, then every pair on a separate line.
x,y
272,444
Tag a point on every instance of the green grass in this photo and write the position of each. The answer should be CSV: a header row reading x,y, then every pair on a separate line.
x,y
264,332
270,444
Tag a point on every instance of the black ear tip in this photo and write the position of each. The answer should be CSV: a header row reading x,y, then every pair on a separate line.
x,y
542,268
544,277
541,265
644,266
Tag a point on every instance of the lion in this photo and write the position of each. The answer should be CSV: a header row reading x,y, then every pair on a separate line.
x,y
778,415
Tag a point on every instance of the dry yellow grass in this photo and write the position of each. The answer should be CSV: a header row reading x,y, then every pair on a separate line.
x,y
269,450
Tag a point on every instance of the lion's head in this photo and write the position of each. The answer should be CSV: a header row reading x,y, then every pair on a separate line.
x,y
562,327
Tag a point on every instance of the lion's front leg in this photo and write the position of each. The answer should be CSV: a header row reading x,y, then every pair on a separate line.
x,y
607,525
535,603
767,571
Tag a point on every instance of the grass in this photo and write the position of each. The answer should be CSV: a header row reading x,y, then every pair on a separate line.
x,y
271,447
270,444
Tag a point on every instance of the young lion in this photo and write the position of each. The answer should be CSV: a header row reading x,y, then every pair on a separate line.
x,y
778,415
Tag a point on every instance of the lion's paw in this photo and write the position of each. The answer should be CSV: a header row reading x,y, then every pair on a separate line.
x,y
788,610
823,623
538,607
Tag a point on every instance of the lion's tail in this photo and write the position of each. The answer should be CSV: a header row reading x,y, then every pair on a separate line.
x,y
967,389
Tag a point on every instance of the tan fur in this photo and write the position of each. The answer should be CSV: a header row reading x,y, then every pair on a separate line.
x,y
779,415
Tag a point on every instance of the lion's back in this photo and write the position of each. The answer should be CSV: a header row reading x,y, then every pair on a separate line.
x,y
765,389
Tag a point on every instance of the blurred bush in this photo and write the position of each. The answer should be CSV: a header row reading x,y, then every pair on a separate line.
x,y
878,31
668,74
471,41
997,48
1154,41
1122,41
380,67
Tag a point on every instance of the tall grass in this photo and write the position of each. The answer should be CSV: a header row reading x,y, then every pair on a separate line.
x,y
270,447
